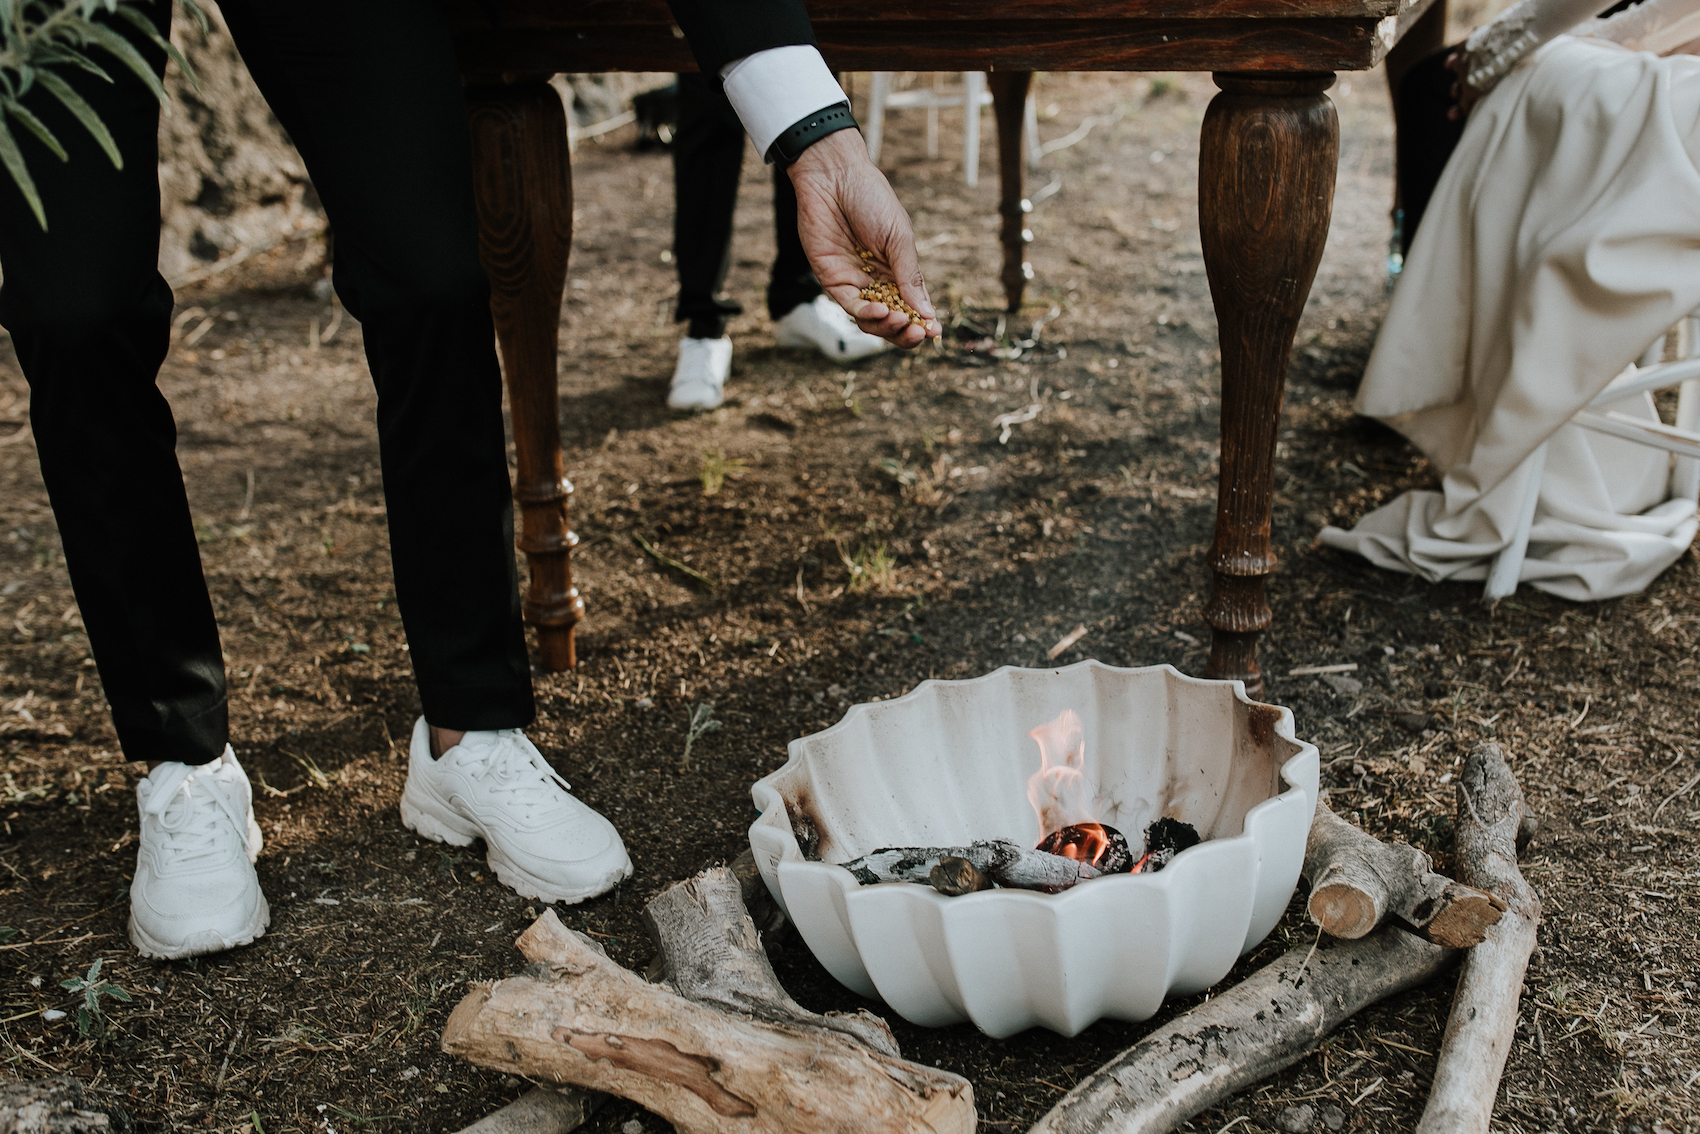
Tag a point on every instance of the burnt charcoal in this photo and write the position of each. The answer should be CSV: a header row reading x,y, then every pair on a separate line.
x,y
1171,834
1164,839
1103,846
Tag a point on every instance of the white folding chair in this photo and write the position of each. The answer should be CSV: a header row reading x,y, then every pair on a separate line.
x,y
971,93
1682,439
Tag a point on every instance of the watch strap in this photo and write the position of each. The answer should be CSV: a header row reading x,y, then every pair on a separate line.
x,y
808,130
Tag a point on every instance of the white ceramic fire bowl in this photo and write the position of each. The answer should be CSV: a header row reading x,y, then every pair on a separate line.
x,y
949,763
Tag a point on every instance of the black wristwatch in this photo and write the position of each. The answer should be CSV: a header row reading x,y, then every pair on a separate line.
x,y
805,132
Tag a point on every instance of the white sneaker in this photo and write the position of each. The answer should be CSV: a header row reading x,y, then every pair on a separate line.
x,y
496,786
699,381
828,328
195,890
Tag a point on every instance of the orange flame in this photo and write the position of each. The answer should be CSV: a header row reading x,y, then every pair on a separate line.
x,y
1059,791
1083,842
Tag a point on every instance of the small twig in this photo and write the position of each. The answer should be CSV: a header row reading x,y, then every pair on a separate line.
x,y
225,1066
1066,641
1683,790
1005,421
667,561
1309,955
801,600
699,723
248,498
335,323
1085,128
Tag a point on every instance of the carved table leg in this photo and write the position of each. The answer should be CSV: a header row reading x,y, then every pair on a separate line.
x,y
1009,101
1265,190
523,183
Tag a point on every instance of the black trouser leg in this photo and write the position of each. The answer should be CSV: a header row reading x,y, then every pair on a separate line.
x,y
793,282
377,112
90,318
708,157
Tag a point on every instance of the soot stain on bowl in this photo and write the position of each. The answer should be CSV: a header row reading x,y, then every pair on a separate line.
x,y
805,827
1262,719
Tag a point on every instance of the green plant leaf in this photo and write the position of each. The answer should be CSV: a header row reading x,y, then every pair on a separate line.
x,y
13,160
83,113
94,970
39,128
117,993
141,21
128,55
200,15
60,53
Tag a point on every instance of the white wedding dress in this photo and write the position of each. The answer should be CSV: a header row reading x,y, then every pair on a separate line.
x,y
1562,239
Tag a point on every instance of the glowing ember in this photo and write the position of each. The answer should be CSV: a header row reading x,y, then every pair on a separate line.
x,y
1059,791
1104,847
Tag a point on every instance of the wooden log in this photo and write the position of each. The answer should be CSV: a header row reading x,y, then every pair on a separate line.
x,y
1357,882
954,877
1491,817
1004,862
1266,1022
711,954
576,1017
541,1111
55,1106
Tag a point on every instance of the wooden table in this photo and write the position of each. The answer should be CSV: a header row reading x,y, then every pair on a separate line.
x,y
1266,188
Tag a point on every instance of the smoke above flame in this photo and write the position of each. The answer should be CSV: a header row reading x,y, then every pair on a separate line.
x,y
1059,791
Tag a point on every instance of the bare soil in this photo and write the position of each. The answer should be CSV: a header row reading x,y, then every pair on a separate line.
x,y
873,530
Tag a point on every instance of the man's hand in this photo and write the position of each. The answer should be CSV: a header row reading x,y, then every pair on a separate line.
x,y
844,203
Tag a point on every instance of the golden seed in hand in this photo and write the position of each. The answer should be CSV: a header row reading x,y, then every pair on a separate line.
x,y
885,291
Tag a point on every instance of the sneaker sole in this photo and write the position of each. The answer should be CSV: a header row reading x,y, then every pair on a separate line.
x,y
530,886
790,341
203,943
434,820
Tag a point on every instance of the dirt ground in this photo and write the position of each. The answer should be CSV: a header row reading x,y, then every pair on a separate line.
x,y
872,531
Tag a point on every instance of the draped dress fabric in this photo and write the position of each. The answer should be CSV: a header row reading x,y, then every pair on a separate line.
x,y
1562,239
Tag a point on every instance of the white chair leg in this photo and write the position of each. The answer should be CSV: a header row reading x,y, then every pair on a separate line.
x,y
875,125
974,85
933,116
1508,564
1030,125
1685,473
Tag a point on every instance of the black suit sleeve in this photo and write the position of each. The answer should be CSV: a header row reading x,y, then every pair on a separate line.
x,y
720,31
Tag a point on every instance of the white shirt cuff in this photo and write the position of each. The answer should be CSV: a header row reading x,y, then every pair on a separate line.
x,y
771,90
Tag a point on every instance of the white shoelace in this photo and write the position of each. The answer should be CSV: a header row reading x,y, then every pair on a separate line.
x,y
511,766
197,821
